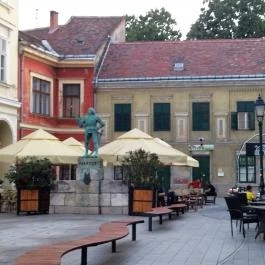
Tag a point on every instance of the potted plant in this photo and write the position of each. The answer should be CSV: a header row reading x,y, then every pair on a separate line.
x,y
140,171
33,178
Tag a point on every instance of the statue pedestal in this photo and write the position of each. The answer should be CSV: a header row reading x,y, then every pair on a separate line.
x,y
95,191
90,172
90,169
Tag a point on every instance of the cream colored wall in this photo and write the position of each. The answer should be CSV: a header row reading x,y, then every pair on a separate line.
x,y
222,101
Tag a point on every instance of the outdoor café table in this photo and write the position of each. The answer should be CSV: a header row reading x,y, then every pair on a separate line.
x,y
257,203
260,209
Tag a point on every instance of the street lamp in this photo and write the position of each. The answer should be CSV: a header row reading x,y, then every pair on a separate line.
x,y
260,108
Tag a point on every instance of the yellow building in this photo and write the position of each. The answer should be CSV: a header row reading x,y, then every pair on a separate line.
x,y
199,96
9,104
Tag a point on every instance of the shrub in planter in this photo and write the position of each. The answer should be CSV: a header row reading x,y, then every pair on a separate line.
x,y
140,168
31,172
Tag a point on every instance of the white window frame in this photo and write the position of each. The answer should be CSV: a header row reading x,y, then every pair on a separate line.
x,y
50,80
3,54
70,81
242,121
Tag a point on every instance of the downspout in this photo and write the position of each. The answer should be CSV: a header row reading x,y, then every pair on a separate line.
x,y
94,86
20,89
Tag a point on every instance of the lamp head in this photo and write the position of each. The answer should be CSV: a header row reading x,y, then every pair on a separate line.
x,y
260,108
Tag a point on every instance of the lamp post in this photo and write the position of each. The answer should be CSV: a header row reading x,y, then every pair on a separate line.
x,y
260,107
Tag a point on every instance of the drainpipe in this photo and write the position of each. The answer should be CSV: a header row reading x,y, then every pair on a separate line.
x,y
94,86
20,89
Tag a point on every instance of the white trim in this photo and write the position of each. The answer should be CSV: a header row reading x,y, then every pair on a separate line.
x,y
52,129
48,79
10,102
60,98
220,128
142,124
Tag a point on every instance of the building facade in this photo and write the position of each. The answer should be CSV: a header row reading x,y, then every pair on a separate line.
x,y
56,75
196,95
9,103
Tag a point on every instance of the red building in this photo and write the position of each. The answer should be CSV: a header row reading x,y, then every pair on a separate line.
x,y
57,66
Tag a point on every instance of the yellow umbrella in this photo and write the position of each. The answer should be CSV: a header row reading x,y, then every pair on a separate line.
x,y
135,139
40,144
75,145
191,162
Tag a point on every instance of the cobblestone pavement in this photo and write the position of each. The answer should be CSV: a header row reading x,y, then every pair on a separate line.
x,y
200,237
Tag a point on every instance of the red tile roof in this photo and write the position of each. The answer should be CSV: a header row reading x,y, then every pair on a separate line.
x,y
81,35
200,58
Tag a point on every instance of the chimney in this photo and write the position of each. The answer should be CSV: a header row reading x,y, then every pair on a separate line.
x,y
53,21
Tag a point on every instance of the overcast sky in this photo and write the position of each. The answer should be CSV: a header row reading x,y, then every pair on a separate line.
x,y
35,13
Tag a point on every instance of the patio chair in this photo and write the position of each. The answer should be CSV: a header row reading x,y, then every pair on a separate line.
x,y
242,196
236,213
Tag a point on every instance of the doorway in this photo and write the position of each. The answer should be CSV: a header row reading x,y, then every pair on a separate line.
x,y
203,171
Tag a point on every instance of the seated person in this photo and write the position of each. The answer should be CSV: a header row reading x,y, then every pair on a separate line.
x,y
250,194
209,189
172,198
195,184
160,196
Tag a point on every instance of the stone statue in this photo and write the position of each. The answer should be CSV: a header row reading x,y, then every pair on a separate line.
x,y
93,125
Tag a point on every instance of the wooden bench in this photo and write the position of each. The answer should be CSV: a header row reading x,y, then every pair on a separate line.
x,y
177,208
158,211
52,254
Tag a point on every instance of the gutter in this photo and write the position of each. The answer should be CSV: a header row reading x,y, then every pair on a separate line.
x,y
184,78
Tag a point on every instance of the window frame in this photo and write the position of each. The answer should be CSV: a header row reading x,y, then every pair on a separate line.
x,y
3,60
69,171
245,115
75,99
118,172
248,168
201,116
42,94
161,116
123,118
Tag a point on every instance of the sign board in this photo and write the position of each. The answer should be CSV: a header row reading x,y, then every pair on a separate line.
x,y
204,147
253,149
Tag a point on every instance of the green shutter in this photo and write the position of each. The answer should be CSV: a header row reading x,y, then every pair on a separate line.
x,y
245,106
234,120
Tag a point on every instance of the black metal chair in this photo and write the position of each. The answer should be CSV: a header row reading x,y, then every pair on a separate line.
x,y
242,196
236,213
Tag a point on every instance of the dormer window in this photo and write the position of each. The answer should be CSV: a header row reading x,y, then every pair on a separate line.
x,y
178,66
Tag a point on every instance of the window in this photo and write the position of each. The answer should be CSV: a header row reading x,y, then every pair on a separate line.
x,y
244,118
122,122
200,116
2,60
67,172
71,100
247,169
118,173
161,116
41,96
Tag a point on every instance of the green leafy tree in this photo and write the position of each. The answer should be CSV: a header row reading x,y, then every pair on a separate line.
x,y
32,172
140,167
227,19
156,25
